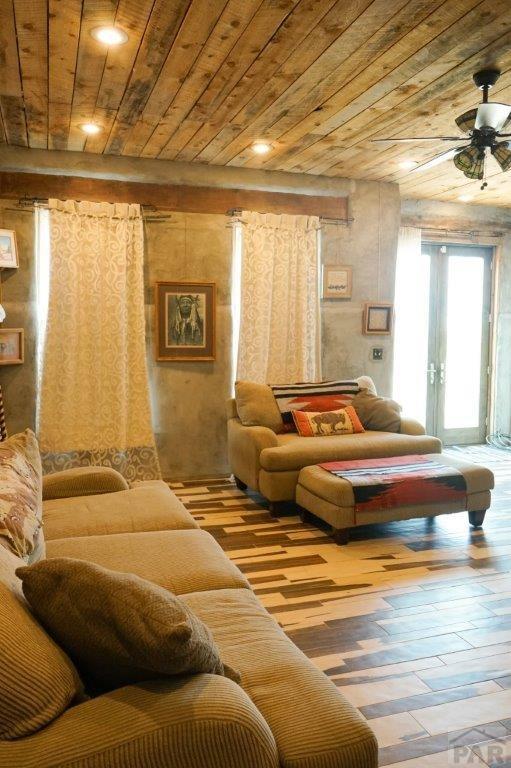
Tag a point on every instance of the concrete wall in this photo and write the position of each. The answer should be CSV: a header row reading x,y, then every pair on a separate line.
x,y
369,244
483,221
18,298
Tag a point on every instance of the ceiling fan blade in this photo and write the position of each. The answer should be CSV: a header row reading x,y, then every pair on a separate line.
x,y
438,159
502,154
492,115
425,138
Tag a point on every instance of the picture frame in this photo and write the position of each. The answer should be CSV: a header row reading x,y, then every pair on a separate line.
x,y
185,321
378,317
12,346
337,281
8,249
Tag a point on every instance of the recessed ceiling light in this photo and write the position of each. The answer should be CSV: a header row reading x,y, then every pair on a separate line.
x,y
109,35
465,198
91,128
261,147
407,164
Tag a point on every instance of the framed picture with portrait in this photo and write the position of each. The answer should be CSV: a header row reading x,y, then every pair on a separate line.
x,y
11,346
185,321
378,318
8,249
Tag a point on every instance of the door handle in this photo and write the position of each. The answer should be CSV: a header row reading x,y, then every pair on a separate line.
x,y
442,373
431,373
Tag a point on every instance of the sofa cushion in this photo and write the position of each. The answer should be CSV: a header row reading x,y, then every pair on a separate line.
x,y
119,628
21,496
180,561
37,680
377,413
256,406
147,507
312,723
295,452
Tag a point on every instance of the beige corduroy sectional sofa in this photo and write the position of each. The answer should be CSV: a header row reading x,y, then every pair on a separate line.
x,y
285,713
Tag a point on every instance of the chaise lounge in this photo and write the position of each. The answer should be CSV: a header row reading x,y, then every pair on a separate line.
x,y
270,461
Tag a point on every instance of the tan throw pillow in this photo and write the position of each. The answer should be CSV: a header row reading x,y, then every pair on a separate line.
x,y
37,680
118,628
344,421
257,406
20,492
380,414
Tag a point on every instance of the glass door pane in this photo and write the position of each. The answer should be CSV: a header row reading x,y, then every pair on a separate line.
x,y
464,336
411,330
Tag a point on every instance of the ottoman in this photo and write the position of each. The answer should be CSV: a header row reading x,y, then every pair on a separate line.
x,y
331,498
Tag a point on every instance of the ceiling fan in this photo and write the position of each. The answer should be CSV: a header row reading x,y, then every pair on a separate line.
x,y
483,127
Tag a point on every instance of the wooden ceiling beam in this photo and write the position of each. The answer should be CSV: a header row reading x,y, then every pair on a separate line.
x,y
168,197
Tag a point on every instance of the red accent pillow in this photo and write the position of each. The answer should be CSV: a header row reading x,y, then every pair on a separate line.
x,y
341,422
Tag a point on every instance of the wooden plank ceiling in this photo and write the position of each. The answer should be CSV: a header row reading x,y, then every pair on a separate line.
x,y
200,80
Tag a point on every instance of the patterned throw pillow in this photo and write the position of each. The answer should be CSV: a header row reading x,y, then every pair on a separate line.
x,y
20,492
313,396
342,422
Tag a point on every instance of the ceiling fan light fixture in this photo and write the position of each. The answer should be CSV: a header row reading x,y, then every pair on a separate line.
x,y
502,155
471,162
467,121
492,115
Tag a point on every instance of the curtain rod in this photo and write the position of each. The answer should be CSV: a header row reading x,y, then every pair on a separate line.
x,y
29,203
235,213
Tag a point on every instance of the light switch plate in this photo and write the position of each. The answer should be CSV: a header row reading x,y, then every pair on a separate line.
x,y
377,353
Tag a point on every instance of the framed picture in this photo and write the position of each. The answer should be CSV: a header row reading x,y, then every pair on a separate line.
x,y
185,321
11,346
378,318
8,249
337,282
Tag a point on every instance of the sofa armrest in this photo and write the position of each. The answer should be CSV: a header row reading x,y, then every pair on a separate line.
x,y
82,481
411,427
244,448
204,721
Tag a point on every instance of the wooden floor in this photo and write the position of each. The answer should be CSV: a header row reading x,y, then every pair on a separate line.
x,y
412,620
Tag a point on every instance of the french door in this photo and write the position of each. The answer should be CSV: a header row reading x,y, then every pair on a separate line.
x,y
459,340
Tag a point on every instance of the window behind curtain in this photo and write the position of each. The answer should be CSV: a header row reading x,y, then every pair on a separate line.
x,y
42,255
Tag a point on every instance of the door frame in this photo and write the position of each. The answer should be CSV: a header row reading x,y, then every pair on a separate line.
x,y
438,340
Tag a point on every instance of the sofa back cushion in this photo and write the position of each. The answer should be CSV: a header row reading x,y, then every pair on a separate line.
x,y
37,680
257,406
380,414
20,493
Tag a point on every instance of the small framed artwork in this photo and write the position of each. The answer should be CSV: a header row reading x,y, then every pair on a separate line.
x,y
11,346
337,282
8,249
378,318
185,321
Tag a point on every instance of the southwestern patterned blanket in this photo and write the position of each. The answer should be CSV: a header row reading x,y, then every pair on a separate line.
x,y
399,481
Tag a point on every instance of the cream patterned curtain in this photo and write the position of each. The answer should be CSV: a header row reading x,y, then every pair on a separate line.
x,y
280,324
94,396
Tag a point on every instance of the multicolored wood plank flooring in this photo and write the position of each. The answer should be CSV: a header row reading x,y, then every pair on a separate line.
x,y
411,620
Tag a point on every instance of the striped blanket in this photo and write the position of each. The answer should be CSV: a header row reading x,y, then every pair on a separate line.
x,y
320,397
399,481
